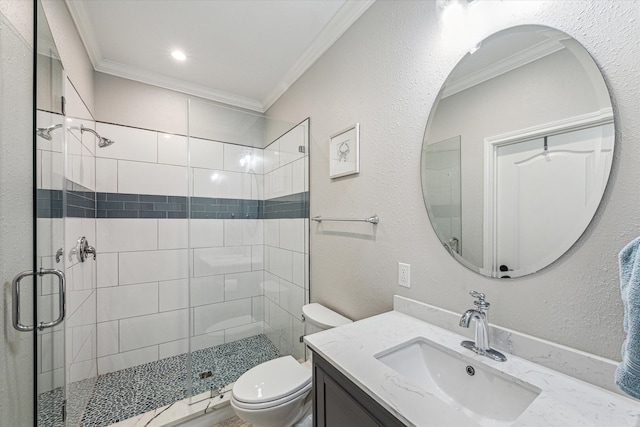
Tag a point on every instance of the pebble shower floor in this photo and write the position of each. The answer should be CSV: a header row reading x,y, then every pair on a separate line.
x,y
116,396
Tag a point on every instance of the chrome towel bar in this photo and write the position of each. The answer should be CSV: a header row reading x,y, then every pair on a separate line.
x,y
371,220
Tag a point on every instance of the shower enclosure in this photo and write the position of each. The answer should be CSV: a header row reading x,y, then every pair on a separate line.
x,y
184,256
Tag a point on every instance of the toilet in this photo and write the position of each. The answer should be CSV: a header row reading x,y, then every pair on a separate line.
x,y
277,393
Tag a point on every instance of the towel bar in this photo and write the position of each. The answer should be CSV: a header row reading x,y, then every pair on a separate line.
x,y
371,220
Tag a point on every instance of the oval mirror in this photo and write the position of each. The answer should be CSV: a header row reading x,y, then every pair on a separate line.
x,y
517,151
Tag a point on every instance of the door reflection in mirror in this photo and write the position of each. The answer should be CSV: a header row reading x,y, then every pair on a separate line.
x,y
523,85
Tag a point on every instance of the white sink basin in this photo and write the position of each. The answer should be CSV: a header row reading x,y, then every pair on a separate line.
x,y
481,392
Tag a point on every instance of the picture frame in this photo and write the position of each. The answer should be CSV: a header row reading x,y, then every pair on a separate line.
x,y
344,152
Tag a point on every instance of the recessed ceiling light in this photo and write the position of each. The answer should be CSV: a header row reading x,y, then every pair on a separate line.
x,y
178,55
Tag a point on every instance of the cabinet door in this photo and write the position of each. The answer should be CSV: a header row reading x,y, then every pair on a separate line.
x,y
338,402
340,409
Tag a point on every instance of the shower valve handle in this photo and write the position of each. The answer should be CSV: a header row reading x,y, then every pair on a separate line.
x,y
83,250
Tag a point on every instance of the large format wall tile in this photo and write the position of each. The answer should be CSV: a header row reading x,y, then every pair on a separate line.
x,y
207,233
221,316
238,158
106,175
279,262
243,232
173,295
206,154
108,333
107,270
222,184
172,149
141,267
127,359
126,235
278,182
130,143
127,301
212,261
143,331
291,297
292,233
152,178
242,285
173,234
207,290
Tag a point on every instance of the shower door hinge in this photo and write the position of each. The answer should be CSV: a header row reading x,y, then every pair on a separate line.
x,y
63,105
64,410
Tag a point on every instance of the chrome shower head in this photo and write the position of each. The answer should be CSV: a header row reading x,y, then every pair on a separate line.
x,y
46,132
103,142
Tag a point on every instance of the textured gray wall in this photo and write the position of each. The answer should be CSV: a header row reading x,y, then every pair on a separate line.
x,y
74,57
385,73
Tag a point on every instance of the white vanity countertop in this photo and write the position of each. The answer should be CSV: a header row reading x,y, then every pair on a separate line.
x,y
563,401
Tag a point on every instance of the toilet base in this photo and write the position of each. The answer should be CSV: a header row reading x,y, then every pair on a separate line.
x,y
287,416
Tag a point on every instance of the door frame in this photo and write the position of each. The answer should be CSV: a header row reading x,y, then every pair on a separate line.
x,y
491,146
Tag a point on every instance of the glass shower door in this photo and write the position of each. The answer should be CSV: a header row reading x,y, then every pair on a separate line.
x,y
248,222
50,260
17,227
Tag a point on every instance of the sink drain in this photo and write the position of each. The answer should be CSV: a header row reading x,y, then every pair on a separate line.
x,y
470,370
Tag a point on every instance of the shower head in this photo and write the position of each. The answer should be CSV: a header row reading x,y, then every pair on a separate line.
x,y
103,142
46,132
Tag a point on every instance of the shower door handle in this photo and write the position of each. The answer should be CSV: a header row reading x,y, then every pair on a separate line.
x,y
15,285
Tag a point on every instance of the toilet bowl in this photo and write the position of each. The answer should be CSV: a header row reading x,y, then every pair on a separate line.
x,y
277,393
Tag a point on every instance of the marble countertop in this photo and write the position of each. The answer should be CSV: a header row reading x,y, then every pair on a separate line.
x,y
563,401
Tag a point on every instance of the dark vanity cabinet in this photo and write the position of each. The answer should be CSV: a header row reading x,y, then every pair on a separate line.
x,y
338,402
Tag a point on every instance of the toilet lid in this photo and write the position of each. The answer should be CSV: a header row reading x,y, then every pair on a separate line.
x,y
323,317
271,380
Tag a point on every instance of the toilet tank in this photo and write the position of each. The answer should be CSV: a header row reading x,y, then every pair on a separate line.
x,y
318,318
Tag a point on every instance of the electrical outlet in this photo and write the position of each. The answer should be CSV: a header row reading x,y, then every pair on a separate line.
x,y
404,275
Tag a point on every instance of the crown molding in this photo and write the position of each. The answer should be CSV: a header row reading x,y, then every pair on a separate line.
x,y
80,17
339,24
178,85
342,20
510,63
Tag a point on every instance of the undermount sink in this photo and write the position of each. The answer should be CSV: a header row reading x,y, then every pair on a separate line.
x,y
482,393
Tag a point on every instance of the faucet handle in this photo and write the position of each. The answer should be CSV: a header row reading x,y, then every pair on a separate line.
x,y
477,294
480,302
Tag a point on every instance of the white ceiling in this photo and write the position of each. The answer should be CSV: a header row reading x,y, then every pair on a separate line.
x,y
244,53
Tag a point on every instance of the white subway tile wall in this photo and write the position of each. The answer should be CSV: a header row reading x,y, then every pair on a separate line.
x,y
249,276
151,178
172,149
106,175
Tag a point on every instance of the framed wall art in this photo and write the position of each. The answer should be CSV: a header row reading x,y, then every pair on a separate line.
x,y
344,152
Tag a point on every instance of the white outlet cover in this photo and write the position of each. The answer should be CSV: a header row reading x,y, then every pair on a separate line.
x,y
404,275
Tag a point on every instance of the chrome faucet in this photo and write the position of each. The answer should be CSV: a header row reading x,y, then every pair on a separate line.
x,y
479,314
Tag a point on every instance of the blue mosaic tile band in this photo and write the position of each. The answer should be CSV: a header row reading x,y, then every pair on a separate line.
x,y
211,208
82,203
292,206
49,203
118,205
